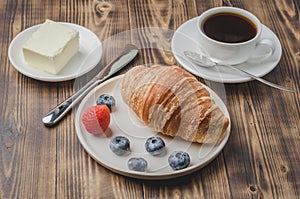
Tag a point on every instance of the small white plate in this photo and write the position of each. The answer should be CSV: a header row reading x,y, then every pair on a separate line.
x,y
89,55
124,122
185,38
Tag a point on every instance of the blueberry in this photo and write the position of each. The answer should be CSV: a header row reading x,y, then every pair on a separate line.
x,y
119,145
179,160
155,145
137,164
107,100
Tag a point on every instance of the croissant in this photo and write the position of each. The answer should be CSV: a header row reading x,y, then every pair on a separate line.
x,y
171,101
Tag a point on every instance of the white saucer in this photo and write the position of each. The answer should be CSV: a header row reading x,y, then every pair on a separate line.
x,y
185,38
89,55
125,123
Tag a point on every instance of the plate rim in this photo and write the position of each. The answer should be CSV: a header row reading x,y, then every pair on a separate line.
x,y
56,78
240,79
143,175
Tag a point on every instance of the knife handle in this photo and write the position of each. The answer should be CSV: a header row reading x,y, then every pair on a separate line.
x,y
125,57
58,112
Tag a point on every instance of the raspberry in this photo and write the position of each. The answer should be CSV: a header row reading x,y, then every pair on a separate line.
x,y
96,119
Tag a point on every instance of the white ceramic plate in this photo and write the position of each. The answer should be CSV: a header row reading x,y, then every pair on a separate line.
x,y
124,122
90,52
185,38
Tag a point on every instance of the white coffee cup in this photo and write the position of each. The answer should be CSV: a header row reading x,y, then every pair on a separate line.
x,y
225,52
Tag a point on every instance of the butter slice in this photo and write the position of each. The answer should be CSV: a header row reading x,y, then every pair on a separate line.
x,y
51,47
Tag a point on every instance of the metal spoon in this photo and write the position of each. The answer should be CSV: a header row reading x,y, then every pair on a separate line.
x,y
204,61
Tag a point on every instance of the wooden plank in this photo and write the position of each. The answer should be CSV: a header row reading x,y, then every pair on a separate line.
x,y
261,159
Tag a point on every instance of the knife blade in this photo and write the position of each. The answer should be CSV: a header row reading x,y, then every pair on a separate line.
x,y
57,113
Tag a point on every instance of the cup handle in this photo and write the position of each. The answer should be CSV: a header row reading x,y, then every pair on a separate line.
x,y
264,49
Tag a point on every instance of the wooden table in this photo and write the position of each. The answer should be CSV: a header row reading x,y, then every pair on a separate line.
x,y
260,160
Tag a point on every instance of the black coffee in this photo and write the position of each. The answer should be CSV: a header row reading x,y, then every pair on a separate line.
x,y
229,28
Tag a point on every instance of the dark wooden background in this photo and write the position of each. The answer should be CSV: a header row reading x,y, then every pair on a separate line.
x,y
261,159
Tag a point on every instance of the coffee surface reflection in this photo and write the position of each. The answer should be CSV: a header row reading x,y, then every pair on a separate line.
x,y
229,28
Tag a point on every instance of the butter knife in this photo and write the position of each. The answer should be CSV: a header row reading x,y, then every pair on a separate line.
x,y
58,112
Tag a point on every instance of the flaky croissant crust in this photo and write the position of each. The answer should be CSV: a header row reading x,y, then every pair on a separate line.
x,y
171,101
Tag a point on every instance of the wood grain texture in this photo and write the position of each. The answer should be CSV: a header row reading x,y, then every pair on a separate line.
x,y
260,160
